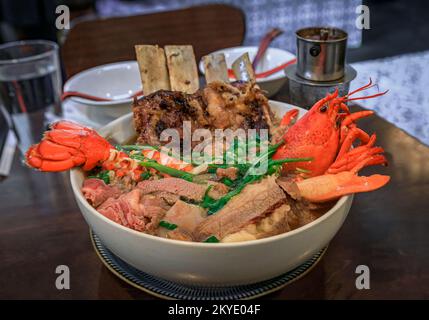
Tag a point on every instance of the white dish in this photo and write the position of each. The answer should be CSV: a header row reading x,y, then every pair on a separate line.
x,y
209,263
117,81
272,58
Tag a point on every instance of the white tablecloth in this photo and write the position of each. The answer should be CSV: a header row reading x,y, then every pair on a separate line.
x,y
406,105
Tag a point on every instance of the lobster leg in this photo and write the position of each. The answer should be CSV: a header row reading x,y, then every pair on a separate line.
x,y
332,186
347,160
348,123
352,135
355,116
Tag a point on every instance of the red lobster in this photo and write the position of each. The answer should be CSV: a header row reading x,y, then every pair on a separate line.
x,y
326,133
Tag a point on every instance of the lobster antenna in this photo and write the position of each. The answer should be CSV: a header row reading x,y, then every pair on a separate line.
x,y
368,97
367,86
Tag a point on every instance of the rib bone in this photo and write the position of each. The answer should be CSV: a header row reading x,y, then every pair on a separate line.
x,y
243,69
153,68
182,68
215,68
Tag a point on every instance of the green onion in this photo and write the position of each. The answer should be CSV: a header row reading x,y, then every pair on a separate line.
x,y
145,175
167,170
300,170
149,163
273,167
215,205
167,225
228,182
245,176
102,175
212,239
133,147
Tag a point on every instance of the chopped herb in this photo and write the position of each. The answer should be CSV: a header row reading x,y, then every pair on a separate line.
x,y
145,175
212,239
216,205
211,169
207,200
246,174
167,225
103,175
167,170
300,170
149,163
133,147
228,182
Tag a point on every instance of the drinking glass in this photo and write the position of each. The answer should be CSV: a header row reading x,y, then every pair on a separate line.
x,y
30,87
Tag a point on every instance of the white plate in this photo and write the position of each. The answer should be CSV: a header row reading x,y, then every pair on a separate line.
x,y
117,81
208,263
272,58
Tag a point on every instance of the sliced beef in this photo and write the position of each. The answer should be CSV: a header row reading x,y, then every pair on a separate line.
x,y
218,190
289,186
96,191
255,201
274,223
135,210
187,217
303,212
177,186
169,198
179,234
230,173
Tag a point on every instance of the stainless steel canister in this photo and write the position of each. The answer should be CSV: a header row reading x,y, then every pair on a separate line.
x,y
321,53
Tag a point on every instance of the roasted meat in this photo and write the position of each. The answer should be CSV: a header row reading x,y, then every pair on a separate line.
x,y
218,106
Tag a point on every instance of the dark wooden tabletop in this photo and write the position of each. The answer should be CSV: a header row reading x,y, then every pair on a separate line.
x,y
41,227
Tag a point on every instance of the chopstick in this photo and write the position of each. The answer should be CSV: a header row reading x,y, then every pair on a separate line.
x,y
268,72
69,94
263,46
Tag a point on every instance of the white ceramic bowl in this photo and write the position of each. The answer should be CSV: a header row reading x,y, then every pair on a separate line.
x,y
117,81
209,263
273,58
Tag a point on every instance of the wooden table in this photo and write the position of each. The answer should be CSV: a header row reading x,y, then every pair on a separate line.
x,y
41,227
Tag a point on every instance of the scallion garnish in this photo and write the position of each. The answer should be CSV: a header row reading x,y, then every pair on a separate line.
x,y
300,170
102,175
145,175
167,225
228,182
212,239
134,147
167,170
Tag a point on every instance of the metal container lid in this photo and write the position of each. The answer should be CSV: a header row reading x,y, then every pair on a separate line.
x,y
321,53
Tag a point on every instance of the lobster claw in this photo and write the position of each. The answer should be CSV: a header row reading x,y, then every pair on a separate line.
x,y
332,186
68,145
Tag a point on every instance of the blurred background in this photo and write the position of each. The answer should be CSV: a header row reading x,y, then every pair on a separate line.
x,y
397,26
